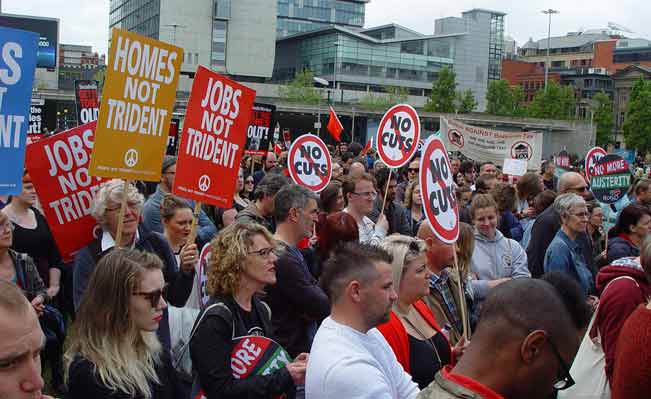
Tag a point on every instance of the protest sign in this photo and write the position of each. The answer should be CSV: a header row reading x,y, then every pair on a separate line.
x,y
87,101
36,117
562,160
17,66
257,355
488,145
213,138
591,159
257,134
514,167
610,179
437,191
397,135
58,166
309,162
136,108
172,137
287,138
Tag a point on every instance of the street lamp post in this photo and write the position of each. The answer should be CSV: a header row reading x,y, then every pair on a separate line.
x,y
549,13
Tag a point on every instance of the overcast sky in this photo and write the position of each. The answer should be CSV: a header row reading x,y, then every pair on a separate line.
x,y
86,21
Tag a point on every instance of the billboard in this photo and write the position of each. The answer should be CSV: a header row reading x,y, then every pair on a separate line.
x,y
46,28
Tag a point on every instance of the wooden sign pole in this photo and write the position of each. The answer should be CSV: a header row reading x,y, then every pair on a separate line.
x,y
462,297
386,191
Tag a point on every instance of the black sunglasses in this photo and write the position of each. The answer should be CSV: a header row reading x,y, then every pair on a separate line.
x,y
153,296
565,379
415,170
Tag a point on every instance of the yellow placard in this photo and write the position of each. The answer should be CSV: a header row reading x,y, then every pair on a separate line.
x,y
136,108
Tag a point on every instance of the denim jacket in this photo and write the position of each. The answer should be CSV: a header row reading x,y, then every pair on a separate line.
x,y
564,255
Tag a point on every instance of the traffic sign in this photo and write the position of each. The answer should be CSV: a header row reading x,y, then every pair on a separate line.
x,y
437,191
397,136
594,155
611,178
309,162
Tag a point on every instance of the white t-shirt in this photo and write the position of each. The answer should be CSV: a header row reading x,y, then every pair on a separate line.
x,y
346,364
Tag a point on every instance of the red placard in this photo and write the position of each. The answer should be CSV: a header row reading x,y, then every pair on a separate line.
x,y
309,163
58,166
397,136
437,191
213,139
591,159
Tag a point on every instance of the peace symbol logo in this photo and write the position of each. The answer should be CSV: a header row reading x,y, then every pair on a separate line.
x,y
131,158
204,183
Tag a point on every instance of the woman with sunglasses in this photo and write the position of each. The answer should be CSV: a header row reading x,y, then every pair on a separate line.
x,y
419,344
249,185
114,351
241,265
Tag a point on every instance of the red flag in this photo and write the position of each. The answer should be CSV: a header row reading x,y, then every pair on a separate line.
x,y
277,149
334,125
366,147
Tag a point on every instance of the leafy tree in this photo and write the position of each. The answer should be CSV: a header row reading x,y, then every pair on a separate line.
x,y
100,76
466,101
602,108
301,89
443,92
375,102
637,125
556,102
503,99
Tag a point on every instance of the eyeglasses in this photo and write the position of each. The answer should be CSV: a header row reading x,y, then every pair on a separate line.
x,y
581,215
264,252
153,296
130,204
367,194
249,182
578,189
412,170
565,379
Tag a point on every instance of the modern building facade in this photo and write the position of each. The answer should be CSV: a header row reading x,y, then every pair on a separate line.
x,y
78,62
231,37
360,61
298,16
479,48
623,82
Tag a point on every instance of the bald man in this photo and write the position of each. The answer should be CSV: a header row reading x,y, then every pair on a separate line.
x,y
523,346
356,169
547,224
20,347
443,296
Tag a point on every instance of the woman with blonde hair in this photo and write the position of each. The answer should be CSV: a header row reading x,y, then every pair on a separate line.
x,y
241,265
414,206
114,351
419,344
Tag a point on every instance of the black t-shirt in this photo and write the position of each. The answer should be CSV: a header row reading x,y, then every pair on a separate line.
x,y
251,321
424,361
39,244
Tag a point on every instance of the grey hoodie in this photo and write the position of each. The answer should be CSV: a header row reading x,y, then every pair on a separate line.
x,y
494,259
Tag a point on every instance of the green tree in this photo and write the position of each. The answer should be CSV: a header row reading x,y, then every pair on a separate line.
x,y
376,102
443,92
637,125
466,101
556,102
503,99
100,76
301,89
603,118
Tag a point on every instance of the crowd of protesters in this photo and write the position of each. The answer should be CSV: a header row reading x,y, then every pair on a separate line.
x,y
358,291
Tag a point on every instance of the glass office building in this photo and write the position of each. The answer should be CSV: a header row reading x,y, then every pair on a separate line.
x,y
138,16
357,61
297,16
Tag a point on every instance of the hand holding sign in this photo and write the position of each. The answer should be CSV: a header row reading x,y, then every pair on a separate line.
x,y
310,164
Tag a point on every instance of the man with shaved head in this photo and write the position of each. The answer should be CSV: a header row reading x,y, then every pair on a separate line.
x,y
549,222
443,298
20,346
526,339
356,169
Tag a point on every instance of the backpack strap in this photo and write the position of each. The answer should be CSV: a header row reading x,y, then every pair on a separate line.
x,y
592,329
217,306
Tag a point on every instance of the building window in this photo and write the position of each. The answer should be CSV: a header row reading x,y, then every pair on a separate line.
x,y
218,50
587,83
222,9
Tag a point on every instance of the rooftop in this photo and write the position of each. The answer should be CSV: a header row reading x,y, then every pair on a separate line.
x,y
360,35
570,40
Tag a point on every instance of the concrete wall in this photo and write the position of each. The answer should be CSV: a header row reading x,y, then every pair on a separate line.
x,y
251,38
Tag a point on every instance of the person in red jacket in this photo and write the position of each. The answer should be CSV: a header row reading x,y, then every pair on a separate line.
x,y
419,344
632,375
623,286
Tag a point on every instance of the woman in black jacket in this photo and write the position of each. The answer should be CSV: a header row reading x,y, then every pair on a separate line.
x,y
114,352
626,237
241,265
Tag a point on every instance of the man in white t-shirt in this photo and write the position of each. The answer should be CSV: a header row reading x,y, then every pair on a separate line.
x,y
350,358
360,193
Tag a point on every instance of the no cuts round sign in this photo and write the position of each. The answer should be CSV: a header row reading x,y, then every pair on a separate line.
x,y
310,164
591,159
437,191
398,135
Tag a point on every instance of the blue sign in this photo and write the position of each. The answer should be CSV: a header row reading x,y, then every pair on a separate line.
x,y
17,65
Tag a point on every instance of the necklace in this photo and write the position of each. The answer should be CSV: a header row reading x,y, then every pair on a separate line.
x,y
429,340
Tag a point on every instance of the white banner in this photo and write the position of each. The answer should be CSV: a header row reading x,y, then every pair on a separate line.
x,y
483,145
